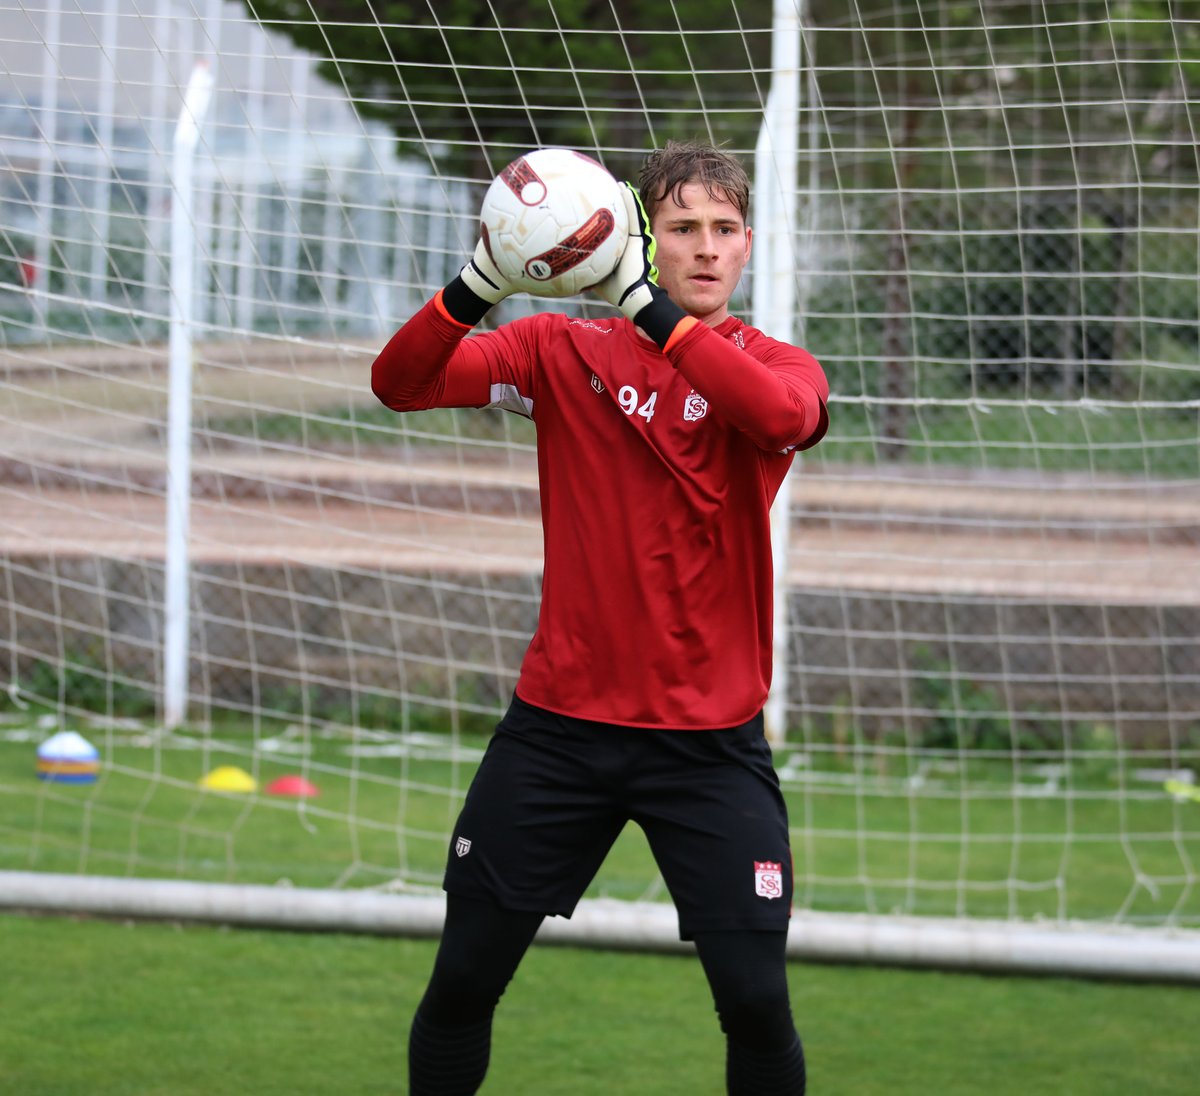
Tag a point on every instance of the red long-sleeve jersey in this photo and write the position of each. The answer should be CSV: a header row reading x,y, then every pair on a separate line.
x,y
657,472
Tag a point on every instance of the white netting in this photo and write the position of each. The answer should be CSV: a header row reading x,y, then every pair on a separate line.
x,y
993,678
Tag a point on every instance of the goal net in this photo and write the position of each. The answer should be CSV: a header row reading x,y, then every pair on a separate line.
x,y
255,628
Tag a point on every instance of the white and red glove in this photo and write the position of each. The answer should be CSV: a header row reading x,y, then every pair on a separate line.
x,y
476,289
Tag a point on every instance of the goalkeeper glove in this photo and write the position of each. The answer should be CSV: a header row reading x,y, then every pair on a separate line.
x,y
633,286
478,286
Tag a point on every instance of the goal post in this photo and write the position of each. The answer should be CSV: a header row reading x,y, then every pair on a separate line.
x,y
981,218
179,397
774,302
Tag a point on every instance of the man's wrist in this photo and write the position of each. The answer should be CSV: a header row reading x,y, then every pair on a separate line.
x,y
463,304
660,317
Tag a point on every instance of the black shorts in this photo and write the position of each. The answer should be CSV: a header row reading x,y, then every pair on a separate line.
x,y
553,792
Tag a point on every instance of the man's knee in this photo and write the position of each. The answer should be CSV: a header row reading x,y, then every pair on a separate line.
x,y
748,978
480,950
760,1022
455,997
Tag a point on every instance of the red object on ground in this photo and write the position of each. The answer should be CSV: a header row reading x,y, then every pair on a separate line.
x,y
293,785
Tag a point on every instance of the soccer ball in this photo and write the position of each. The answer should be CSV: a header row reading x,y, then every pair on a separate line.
x,y
554,222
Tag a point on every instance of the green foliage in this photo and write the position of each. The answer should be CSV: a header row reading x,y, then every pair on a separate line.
x,y
904,70
469,704
1077,303
1076,290
83,681
1158,442
962,714
470,84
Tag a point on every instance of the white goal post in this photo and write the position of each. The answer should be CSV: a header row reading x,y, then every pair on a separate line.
x,y
283,619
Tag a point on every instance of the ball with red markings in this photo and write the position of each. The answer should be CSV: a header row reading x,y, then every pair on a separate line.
x,y
554,222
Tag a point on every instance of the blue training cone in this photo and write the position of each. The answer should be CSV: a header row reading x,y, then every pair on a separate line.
x,y
68,758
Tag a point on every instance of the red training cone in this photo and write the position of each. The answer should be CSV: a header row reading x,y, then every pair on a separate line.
x,y
293,785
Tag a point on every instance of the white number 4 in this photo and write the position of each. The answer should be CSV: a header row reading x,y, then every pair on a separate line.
x,y
628,398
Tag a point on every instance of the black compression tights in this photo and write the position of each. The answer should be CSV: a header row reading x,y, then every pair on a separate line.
x,y
450,1041
748,977
451,1037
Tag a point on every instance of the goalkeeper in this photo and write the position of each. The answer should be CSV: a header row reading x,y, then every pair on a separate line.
x,y
662,438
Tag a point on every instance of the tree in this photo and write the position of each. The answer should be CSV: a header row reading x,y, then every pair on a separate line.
x,y
980,140
977,150
471,83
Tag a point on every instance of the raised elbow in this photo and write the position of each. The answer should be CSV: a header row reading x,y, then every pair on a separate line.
x,y
381,387
389,392
799,427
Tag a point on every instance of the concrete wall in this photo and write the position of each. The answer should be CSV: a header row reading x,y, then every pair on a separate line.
x,y
312,640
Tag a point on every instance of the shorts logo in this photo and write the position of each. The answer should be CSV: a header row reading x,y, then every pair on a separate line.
x,y
597,383
695,407
768,879
462,846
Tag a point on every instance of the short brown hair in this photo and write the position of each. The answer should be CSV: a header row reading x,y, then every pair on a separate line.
x,y
666,170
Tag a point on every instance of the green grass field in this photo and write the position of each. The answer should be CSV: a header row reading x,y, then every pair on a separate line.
x,y
93,1007
96,1008
983,839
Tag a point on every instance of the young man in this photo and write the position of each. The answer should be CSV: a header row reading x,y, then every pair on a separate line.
x,y
663,436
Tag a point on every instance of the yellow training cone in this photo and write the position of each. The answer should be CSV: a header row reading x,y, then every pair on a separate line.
x,y
1181,790
229,778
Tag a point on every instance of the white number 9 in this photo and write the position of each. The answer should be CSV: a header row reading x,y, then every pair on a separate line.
x,y
628,398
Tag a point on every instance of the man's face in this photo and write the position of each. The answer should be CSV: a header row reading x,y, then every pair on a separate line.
x,y
703,244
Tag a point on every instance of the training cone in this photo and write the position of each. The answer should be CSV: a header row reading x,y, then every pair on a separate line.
x,y
293,785
68,758
229,778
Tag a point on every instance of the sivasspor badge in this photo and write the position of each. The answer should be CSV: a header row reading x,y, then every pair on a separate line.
x,y
695,407
768,879
462,846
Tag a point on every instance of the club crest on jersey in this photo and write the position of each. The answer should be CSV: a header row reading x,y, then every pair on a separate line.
x,y
597,383
462,846
768,879
695,407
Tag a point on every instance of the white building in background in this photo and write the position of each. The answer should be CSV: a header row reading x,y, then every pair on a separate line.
x,y
299,219
147,49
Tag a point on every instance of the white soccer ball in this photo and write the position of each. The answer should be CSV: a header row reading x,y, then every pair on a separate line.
x,y
554,222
